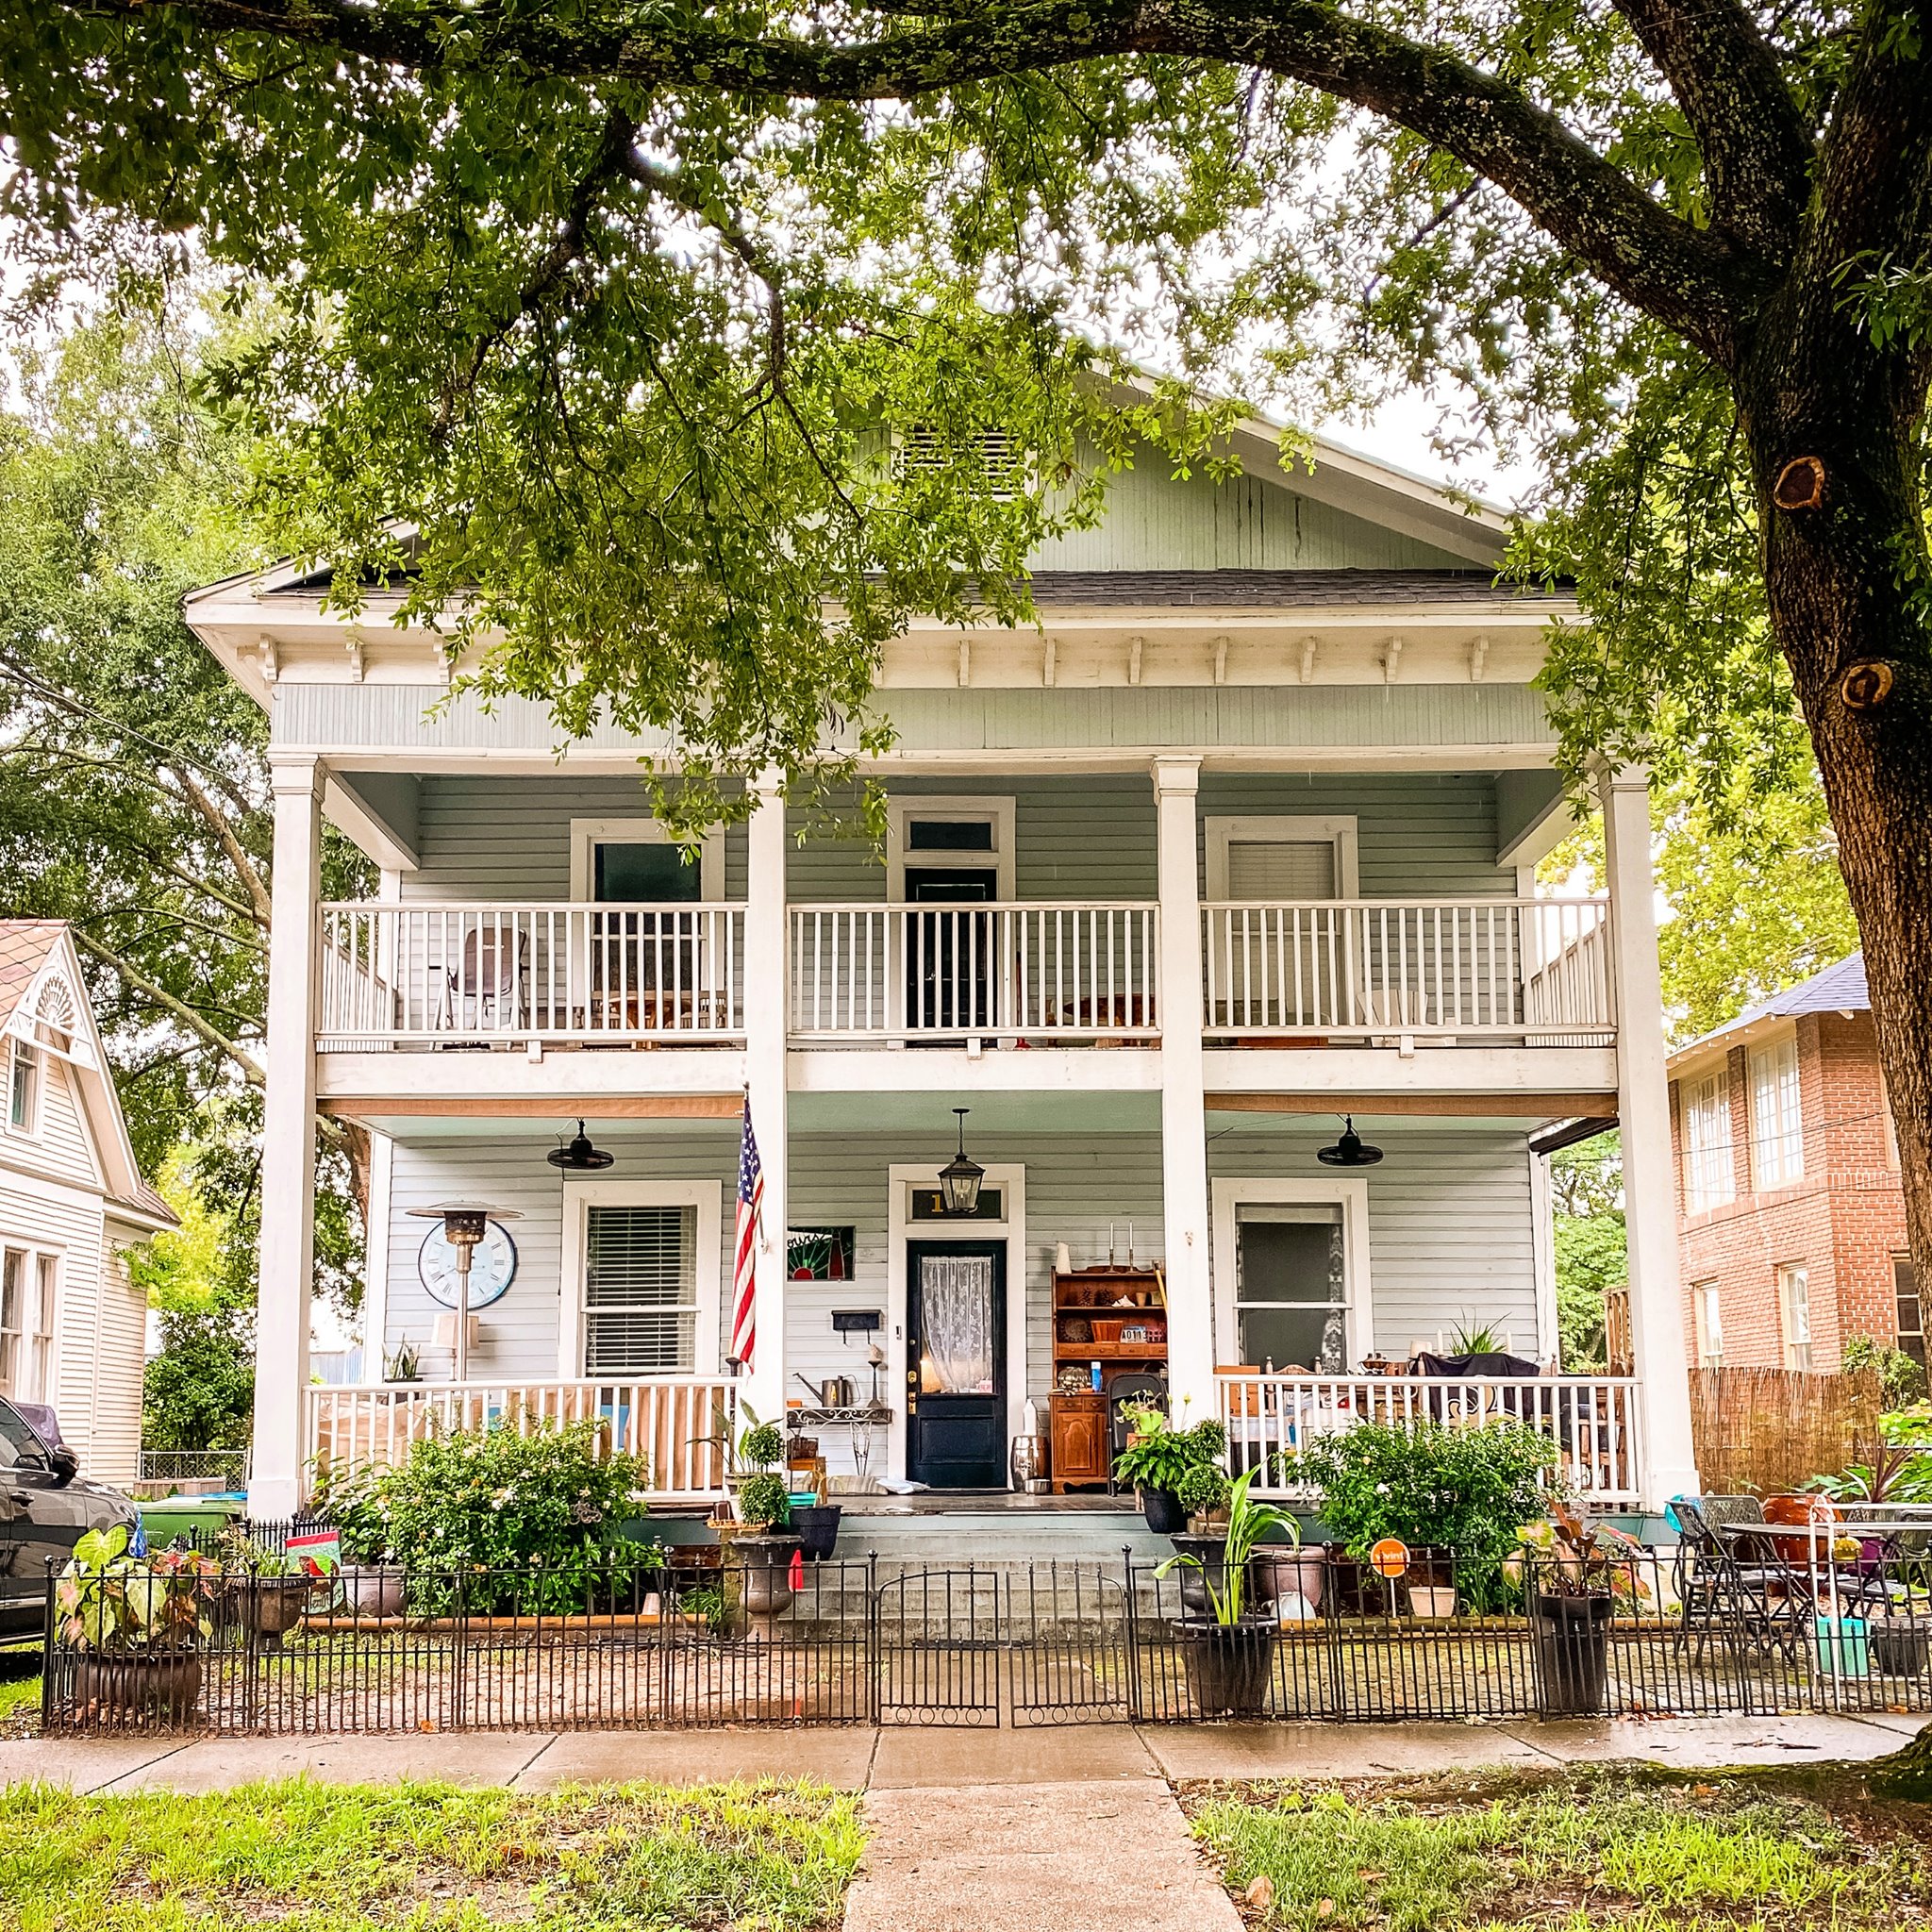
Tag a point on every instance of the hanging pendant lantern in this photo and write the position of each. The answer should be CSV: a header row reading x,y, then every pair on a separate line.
x,y
1351,1150
960,1178
580,1156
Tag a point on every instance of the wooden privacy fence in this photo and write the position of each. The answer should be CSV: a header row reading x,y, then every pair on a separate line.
x,y
1765,1430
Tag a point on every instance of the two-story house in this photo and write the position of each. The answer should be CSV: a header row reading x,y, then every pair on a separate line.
x,y
1239,841
73,1324
1792,1220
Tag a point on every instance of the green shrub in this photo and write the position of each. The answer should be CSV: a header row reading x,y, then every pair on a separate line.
x,y
765,1498
1470,1489
760,1446
1901,1380
1204,1490
534,1509
1163,1456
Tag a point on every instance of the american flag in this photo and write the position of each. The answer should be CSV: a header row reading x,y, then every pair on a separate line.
x,y
751,1201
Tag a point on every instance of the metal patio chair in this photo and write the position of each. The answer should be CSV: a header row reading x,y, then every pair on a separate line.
x,y
1739,1590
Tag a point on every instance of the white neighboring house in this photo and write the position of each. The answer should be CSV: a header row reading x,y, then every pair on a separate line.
x,y
73,1326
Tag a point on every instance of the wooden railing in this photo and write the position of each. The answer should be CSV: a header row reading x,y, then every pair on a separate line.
x,y
668,1420
1594,1420
458,974
1043,973
1451,969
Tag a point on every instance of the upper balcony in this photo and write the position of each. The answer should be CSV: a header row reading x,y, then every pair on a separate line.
x,y
1515,973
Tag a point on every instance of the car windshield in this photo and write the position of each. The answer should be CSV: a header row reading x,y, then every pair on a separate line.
x,y
20,1448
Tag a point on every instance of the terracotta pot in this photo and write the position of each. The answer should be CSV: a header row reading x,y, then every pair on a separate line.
x,y
1432,1602
1281,1572
165,1683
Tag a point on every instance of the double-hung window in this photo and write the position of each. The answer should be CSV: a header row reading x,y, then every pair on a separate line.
x,y
1794,1313
1707,1181
1777,1126
1710,1322
26,1324
641,1293
23,1087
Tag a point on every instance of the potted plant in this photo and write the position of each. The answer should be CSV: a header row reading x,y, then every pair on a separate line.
x,y
137,1623
763,1546
1431,1602
1229,1655
1157,1460
262,1590
351,1500
1572,1597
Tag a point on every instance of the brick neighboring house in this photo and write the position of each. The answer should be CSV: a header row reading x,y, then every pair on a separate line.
x,y
1791,1218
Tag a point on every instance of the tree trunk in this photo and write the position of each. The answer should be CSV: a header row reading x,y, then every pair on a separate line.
x,y
1847,580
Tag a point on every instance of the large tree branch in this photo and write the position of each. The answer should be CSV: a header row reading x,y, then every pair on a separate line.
x,y
217,822
1875,188
197,1024
1680,276
1757,148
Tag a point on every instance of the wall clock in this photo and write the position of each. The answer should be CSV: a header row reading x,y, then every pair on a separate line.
x,y
492,1272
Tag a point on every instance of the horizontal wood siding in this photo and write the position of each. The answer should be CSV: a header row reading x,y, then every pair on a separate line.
x,y
113,1453
1421,835
1154,521
420,717
488,838
1450,1226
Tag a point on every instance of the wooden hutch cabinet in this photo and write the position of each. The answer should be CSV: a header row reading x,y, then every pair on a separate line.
x,y
1115,1317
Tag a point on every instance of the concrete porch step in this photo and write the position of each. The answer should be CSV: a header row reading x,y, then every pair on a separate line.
x,y
1010,1538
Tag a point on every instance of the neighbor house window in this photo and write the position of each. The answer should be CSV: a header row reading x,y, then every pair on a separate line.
x,y
1794,1314
23,1087
640,1291
27,1324
1778,1126
1911,1313
1707,1180
1710,1324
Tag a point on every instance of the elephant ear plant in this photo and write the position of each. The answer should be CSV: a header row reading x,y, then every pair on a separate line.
x,y
1248,1521
116,1605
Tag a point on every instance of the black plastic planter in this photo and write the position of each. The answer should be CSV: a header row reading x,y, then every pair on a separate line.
x,y
1899,1648
1162,1509
1228,1666
817,1528
1210,1552
1573,1654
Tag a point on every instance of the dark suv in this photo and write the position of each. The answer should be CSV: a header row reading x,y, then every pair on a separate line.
x,y
46,1507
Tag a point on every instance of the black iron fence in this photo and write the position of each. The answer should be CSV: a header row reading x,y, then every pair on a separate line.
x,y
683,1638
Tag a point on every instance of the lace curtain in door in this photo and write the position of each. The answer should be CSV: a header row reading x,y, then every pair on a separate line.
x,y
956,1308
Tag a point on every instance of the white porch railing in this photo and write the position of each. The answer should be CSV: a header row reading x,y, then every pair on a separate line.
x,y
1595,1421
447,974
1039,971
668,1420
1459,968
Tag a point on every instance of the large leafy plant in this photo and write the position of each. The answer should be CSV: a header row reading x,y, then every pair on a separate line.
x,y
108,1601
1466,1489
1161,1456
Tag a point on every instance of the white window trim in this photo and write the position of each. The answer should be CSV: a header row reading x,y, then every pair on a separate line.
x,y
579,1197
1705,1298
1000,812
1790,1344
1011,1178
1350,1196
1696,1199
587,834
1758,1057
1341,830
35,1251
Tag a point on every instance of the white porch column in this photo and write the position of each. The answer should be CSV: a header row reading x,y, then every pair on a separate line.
x,y
286,1270
1650,1213
766,1011
1183,1114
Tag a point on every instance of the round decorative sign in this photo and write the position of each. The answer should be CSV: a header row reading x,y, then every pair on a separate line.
x,y
1389,1557
492,1270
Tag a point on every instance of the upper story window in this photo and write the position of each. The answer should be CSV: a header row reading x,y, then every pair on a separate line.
x,y
1777,1126
1281,861
23,1087
1707,1179
1794,1313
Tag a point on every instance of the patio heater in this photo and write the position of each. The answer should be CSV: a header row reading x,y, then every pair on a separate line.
x,y
960,1178
464,1225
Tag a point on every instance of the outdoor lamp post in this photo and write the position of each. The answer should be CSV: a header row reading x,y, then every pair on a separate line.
x,y
464,1225
960,1178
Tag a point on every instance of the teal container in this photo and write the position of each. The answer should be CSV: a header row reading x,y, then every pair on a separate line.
x,y
1846,1651
185,1515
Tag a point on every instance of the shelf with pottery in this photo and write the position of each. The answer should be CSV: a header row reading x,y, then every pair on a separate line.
x,y
1107,1315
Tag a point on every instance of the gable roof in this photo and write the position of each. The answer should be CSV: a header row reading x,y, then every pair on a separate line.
x,y
1840,989
38,956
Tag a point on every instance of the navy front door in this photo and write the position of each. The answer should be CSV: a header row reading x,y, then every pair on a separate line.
x,y
956,1367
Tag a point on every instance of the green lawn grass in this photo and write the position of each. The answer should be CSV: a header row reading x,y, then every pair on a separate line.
x,y
20,1695
1589,1850
313,1857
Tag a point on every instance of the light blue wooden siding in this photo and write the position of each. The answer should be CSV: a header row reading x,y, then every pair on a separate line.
x,y
1156,521
1419,834
412,718
490,837
1450,1224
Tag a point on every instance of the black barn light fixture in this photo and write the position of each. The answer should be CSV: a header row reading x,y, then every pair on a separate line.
x,y
1350,1151
580,1156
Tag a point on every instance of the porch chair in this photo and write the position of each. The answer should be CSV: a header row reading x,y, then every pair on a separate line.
x,y
1750,1598
1132,1385
487,990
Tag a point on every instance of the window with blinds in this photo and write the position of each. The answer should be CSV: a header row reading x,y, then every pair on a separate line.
x,y
640,1291
1281,871
1777,1121
1707,1181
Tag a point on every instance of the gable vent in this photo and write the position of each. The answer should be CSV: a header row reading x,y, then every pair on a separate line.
x,y
921,447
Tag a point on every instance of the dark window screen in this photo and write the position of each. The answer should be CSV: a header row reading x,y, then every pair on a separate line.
x,y
949,835
644,874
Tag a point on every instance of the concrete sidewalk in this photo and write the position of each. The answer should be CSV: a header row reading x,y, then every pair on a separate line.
x,y
941,1759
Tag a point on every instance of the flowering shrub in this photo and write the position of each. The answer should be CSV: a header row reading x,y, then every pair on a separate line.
x,y
1429,1484
497,1500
